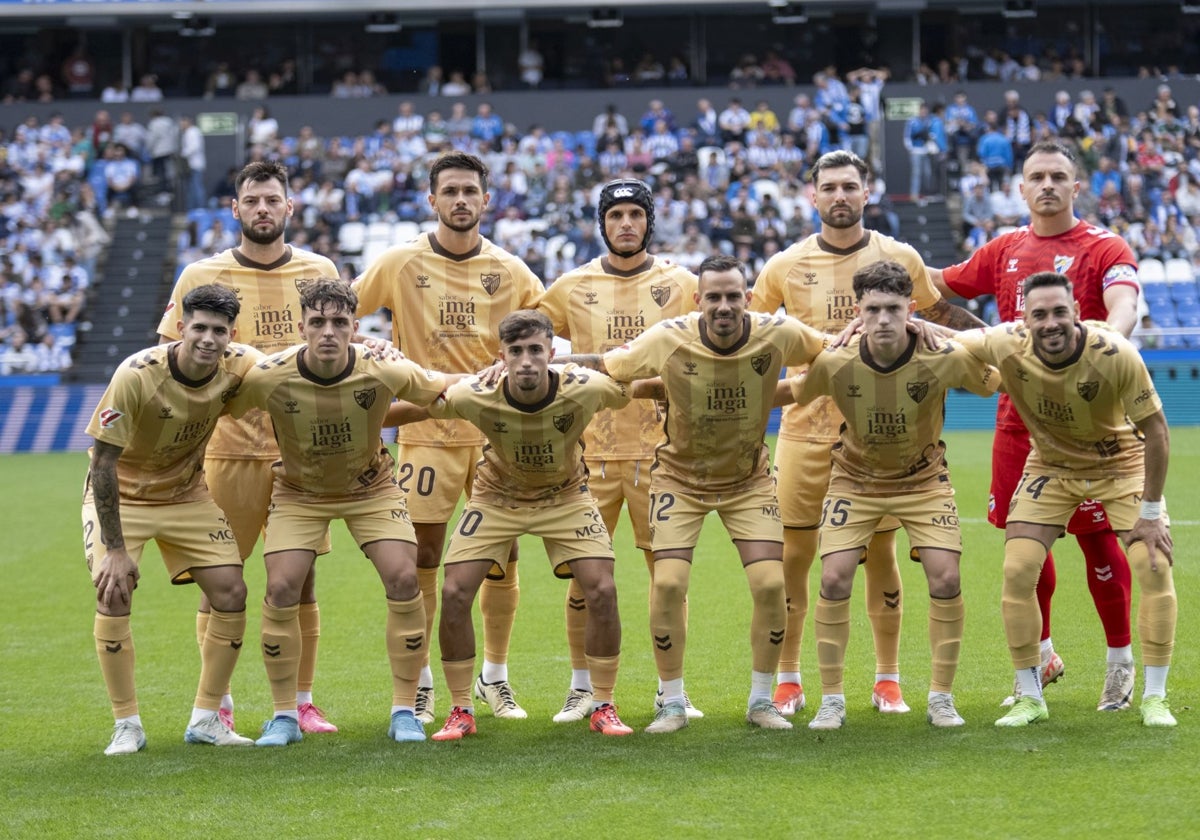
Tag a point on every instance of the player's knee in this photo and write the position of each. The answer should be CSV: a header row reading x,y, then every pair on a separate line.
x,y
229,595
601,595
1023,560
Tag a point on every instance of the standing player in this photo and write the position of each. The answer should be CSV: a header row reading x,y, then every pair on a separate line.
x,y
267,274
1104,275
532,480
890,461
327,402
146,482
447,291
1098,433
720,367
811,280
598,306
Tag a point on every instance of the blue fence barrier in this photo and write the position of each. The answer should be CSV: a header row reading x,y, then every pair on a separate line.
x,y
37,415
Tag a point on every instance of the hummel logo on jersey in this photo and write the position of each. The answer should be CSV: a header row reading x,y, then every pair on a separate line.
x,y
365,398
237,292
917,390
164,413
660,294
689,369
1062,263
490,282
854,391
760,363
500,427
1012,266
290,407
1088,390
109,416
589,299
423,281
810,278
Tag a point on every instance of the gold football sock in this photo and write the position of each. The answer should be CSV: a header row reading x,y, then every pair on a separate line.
x,y
946,617
575,612
281,653
769,617
799,551
884,607
406,647
1157,607
427,580
219,656
459,675
832,622
604,676
498,606
1023,559
114,647
667,627
310,637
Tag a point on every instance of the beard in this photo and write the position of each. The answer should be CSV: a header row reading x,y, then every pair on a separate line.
x,y
459,227
260,236
853,217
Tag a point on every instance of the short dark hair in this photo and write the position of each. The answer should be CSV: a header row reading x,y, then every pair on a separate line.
x,y
329,291
1047,280
210,297
721,262
1052,147
523,323
259,171
836,160
457,160
886,276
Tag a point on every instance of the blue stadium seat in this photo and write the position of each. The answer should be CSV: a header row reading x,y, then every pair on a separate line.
x,y
587,140
1184,294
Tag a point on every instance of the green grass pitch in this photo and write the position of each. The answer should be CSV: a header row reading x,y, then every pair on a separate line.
x,y
1081,774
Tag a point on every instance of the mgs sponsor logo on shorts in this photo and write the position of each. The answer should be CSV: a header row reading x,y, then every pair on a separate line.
x,y
593,529
221,535
771,512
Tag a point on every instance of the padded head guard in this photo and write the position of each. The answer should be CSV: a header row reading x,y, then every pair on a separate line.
x,y
621,191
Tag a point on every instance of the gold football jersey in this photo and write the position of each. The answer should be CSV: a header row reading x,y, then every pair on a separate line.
x,y
445,312
533,453
269,322
597,310
891,439
162,421
329,429
812,281
718,401
1081,413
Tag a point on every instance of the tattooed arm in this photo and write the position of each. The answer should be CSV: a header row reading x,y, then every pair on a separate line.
x,y
113,584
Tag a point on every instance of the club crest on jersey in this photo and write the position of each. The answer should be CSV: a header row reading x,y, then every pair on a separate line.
x,y
228,394
917,390
660,294
490,282
760,363
302,283
109,416
1088,390
365,398
563,422
1062,263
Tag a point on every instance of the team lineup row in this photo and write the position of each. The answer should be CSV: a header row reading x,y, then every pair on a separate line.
x,y
515,440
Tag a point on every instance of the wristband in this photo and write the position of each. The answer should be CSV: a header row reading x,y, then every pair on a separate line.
x,y
1152,510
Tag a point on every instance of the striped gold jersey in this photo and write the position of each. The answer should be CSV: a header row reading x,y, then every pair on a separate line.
x,y
598,308
328,430
533,454
812,281
891,438
269,322
445,312
1081,412
718,401
162,421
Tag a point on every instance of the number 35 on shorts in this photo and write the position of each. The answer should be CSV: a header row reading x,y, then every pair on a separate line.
x,y
835,512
